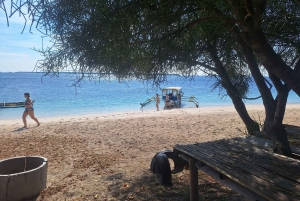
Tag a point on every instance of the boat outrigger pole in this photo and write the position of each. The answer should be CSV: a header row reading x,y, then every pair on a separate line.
x,y
191,99
147,102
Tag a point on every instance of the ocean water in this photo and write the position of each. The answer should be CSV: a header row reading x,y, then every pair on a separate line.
x,y
54,96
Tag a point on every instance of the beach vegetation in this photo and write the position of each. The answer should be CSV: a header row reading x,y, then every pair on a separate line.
x,y
235,42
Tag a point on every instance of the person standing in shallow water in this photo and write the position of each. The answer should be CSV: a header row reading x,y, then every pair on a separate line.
x,y
157,102
29,110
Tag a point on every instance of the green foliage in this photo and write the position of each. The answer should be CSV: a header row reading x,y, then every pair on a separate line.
x,y
150,39
281,23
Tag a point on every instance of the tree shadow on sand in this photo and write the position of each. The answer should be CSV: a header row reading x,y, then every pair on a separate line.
x,y
293,133
147,187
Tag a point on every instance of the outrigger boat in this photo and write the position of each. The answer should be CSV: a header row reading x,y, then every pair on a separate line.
x,y
12,105
176,96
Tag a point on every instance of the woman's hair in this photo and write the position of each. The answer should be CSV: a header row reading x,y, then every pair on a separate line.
x,y
27,94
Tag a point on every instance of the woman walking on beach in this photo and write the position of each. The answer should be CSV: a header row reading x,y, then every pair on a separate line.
x,y
29,110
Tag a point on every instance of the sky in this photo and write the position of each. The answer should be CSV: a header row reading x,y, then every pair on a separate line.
x,y
16,48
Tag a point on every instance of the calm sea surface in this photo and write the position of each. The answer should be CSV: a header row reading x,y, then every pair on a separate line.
x,y
54,96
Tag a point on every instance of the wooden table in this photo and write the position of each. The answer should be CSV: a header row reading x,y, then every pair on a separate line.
x,y
244,164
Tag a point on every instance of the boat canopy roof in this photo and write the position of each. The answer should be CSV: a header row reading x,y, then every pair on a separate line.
x,y
171,88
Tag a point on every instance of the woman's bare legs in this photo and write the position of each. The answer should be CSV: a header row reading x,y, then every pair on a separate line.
x,y
24,118
31,114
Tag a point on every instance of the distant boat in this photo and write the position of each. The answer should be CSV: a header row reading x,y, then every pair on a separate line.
x,y
12,105
175,97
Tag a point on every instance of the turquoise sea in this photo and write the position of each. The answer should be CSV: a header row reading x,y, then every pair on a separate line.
x,y
54,96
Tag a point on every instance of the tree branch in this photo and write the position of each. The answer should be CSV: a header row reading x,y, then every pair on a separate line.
x,y
206,66
260,9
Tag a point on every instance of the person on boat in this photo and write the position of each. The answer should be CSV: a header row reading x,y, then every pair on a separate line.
x,y
157,99
29,110
167,103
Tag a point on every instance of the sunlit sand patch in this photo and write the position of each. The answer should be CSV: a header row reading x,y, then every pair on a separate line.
x,y
108,156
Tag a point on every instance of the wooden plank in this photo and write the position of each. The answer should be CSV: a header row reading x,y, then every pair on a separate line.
x,y
295,150
263,159
279,158
226,181
234,175
294,168
261,143
242,160
258,171
207,158
262,174
270,156
231,184
262,137
282,165
264,190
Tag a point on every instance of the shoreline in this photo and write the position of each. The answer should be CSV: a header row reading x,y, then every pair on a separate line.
x,y
108,156
137,114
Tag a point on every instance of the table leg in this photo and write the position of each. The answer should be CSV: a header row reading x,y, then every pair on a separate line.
x,y
193,180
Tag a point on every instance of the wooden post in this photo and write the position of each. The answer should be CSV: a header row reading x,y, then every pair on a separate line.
x,y
193,180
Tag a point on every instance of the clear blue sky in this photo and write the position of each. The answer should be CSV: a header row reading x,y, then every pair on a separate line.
x,y
16,52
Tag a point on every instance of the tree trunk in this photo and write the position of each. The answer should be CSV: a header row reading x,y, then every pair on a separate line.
x,y
240,107
274,109
275,128
259,79
277,133
255,37
235,96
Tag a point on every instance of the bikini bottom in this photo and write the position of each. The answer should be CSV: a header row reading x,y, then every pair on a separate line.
x,y
28,109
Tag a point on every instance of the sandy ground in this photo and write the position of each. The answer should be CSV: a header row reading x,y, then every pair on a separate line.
x,y
107,157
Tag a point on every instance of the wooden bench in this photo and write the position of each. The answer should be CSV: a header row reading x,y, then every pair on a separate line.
x,y
246,165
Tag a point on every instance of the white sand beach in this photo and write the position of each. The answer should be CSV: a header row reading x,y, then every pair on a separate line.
x,y
107,157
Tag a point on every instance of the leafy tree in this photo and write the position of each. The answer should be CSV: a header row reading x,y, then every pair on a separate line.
x,y
271,29
149,39
254,18
130,40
